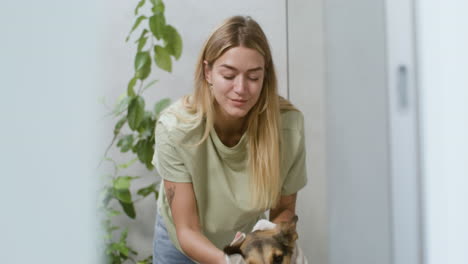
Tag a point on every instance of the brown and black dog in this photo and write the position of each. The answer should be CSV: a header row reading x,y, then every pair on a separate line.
x,y
274,246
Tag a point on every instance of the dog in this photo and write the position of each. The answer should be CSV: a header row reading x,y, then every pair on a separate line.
x,y
273,246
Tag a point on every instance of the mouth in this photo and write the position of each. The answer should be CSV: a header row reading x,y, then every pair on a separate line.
x,y
239,101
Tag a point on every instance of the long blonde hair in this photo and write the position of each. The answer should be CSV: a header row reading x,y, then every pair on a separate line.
x,y
263,120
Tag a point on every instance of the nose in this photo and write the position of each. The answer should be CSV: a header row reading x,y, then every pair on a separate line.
x,y
240,85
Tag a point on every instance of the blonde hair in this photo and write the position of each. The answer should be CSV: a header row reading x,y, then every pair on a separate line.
x,y
263,120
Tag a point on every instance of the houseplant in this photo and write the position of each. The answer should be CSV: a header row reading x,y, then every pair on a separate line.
x,y
157,44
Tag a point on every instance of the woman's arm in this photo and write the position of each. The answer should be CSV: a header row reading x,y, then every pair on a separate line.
x,y
285,210
183,206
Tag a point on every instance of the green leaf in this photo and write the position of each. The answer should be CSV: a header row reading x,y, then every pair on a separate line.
x,y
111,213
137,23
142,40
160,106
120,247
125,143
142,35
124,196
136,111
142,65
144,72
128,164
162,58
123,182
149,84
110,230
141,59
148,260
147,190
157,24
108,196
122,105
140,4
129,209
173,41
123,235
146,127
145,150
119,125
158,6
115,259
131,84
141,43
112,252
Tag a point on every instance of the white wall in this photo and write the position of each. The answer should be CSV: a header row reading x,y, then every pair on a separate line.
x,y
49,133
307,92
195,20
443,64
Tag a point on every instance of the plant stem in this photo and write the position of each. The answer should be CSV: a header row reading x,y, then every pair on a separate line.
x,y
139,89
107,150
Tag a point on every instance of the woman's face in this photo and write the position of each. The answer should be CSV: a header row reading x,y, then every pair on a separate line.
x,y
237,79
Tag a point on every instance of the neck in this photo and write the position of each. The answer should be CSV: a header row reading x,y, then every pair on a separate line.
x,y
229,126
229,130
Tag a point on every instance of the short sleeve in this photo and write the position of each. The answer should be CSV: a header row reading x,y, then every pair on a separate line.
x,y
296,174
166,159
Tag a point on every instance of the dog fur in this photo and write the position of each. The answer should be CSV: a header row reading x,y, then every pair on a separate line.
x,y
274,246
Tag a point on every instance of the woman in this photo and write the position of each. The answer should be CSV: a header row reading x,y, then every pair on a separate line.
x,y
227,153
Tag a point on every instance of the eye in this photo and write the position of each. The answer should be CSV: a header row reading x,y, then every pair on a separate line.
x,y
278,259
228,77
253,78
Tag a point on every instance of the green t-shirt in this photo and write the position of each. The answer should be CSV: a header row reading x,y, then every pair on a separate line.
x,y
219,174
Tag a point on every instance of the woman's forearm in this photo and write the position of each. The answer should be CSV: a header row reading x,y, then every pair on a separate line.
x,y
199,248
281,216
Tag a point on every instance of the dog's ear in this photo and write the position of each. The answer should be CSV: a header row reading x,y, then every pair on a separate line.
x,y
234,247
287,232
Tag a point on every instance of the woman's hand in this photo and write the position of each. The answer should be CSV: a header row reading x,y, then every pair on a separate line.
x,y
285,210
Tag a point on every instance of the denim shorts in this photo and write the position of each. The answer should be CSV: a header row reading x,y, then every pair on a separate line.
x,y
164,252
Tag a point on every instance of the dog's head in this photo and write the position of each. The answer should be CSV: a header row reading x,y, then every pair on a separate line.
x,y
274,246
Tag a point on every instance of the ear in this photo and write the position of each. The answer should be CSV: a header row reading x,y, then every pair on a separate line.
x,y
233,249
207,69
